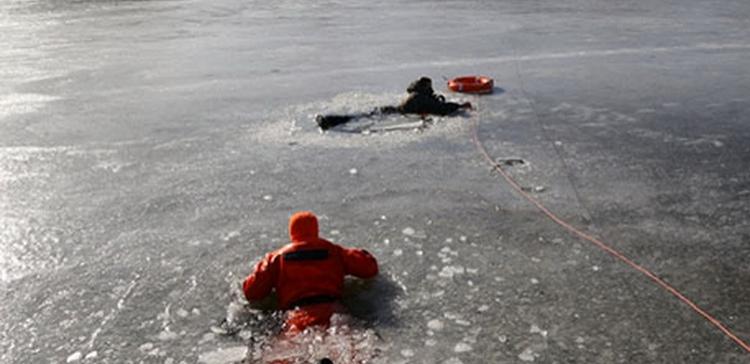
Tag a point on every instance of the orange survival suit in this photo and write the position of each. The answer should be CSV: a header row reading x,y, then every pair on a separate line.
x,y
307,274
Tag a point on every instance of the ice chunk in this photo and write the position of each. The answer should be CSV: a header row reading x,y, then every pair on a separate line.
x,y
74,357
502,338
223,356
268,197
182,312
167,335
407,353
453,361
450,270
462,347
483,308
536,330
435,324
92,355
398,252
527,355
408,231
353,171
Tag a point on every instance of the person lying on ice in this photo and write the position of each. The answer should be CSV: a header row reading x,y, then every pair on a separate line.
x,y
307,275
421,100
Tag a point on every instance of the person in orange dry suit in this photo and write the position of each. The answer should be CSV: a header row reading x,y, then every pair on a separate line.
x,y
307,275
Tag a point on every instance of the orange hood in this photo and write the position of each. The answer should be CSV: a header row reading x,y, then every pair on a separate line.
x,y
303,226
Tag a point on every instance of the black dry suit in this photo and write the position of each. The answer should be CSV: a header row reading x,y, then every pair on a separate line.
x,y
421,100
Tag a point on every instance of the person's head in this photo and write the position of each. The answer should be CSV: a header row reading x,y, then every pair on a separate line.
x,y
421,86
303,226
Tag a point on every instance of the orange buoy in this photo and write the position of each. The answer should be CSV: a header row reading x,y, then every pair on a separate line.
x,y
472,84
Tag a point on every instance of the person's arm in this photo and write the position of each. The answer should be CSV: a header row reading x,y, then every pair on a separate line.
x,y
359,263
259,284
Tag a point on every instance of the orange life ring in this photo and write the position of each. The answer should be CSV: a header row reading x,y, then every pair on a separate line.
x,y
472,84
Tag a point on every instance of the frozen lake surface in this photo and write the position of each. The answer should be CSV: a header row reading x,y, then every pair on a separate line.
x,y
150,151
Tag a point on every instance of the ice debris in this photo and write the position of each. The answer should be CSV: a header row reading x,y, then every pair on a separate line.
x,y
536,330
436,325
450,270
527,355
462,347
74,357
222,356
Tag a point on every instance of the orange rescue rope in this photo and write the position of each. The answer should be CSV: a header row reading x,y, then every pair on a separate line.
x,y
496,166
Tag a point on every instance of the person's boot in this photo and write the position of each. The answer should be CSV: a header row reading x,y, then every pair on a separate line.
x,y
326,122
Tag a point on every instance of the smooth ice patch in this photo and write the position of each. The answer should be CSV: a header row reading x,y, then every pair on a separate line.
x,y
223,356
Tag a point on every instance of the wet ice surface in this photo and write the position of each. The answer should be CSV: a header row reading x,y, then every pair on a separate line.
x,y
151,151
